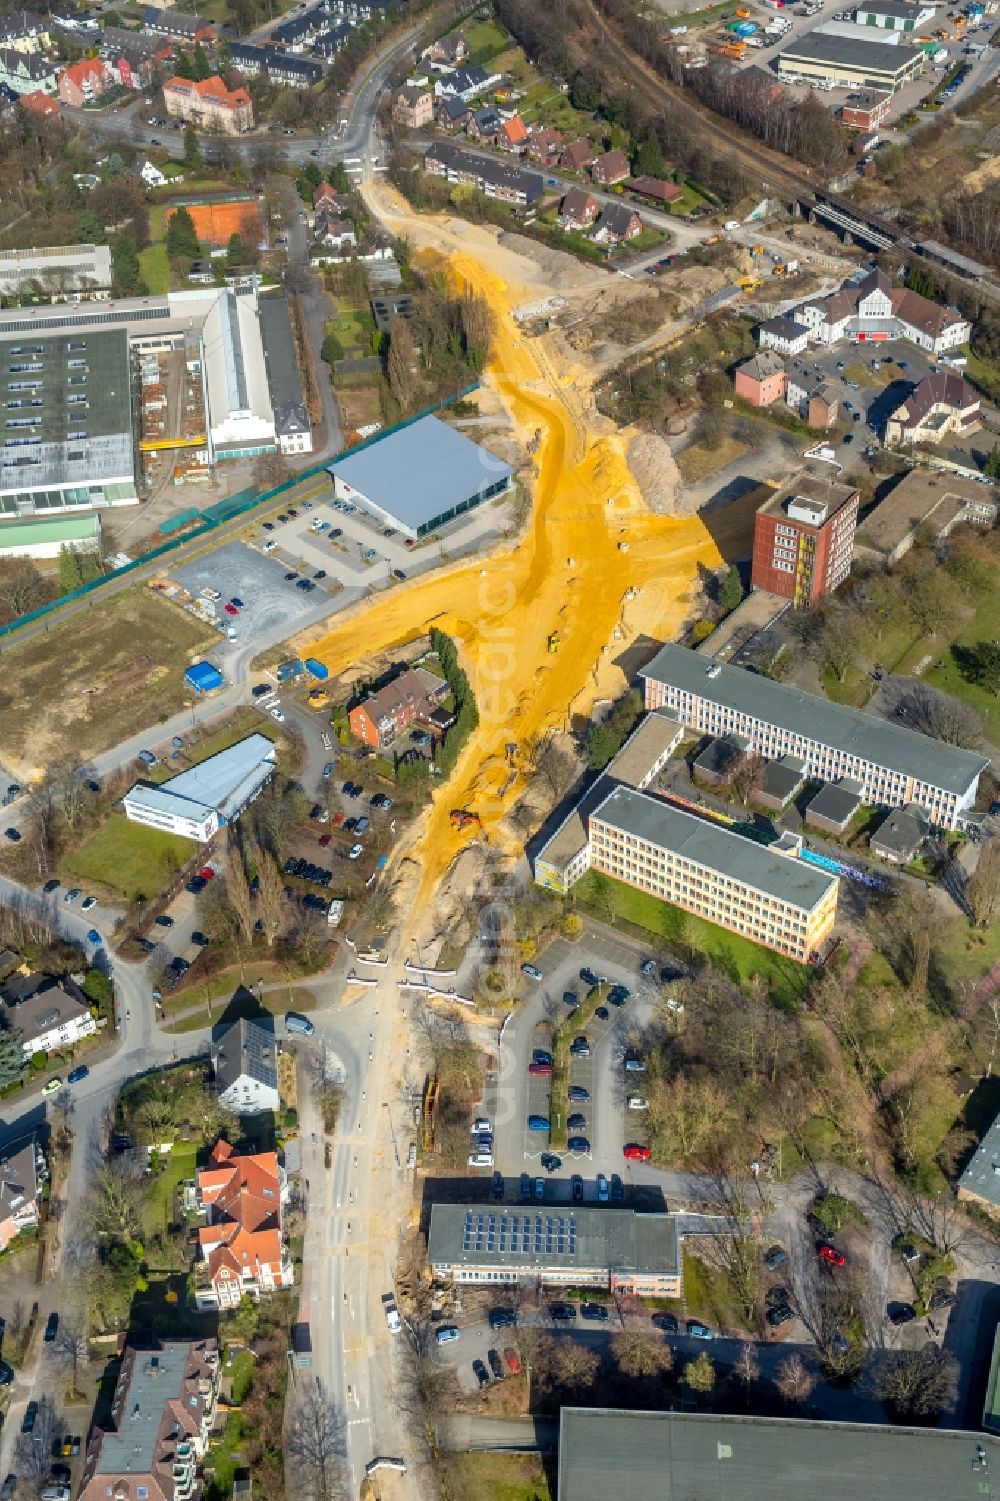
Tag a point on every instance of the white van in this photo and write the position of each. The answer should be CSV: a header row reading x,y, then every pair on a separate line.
x,y
481,1159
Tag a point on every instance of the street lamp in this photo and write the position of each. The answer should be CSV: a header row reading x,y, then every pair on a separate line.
x,y
392,1133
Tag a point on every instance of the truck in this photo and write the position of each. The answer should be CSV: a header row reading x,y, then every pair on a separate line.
x,y
391,1313
334,913
316,668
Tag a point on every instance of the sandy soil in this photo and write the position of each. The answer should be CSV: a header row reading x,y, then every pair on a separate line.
x,y
594,563
977,179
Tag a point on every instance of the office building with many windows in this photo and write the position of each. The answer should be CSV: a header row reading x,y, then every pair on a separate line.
x,y
557,1245
893,766
772,898
803,538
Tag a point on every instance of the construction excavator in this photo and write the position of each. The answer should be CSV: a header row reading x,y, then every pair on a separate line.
x,y
461,818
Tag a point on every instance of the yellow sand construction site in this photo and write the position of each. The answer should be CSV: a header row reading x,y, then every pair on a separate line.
x,y
540,625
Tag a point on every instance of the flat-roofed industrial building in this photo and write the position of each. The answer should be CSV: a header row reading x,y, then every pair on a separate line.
x,y
568,1245
421,477
849,63
196,803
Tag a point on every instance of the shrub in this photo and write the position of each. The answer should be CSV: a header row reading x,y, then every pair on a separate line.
x,y
39,1061
701,630
291,1119
834,1212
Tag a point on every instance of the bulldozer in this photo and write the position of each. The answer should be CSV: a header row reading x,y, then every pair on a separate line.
x,y
554,643
461,818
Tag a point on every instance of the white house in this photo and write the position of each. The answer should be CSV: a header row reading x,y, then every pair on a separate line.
x,y
51,1014
245,1060
152,176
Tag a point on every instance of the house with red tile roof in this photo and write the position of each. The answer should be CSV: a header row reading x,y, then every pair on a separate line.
x,y
39,103
209,103
513,134
83,81
544,144
240,1247
577,155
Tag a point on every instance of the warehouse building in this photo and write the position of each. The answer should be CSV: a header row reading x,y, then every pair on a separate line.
x,y
689,1456
68,424
894,766
46,539
843,62
291,419
56,271
420,478
560,1245
774,899
198,802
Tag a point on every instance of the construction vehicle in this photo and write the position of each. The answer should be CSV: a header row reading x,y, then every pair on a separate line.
x,y
553,642
319,698
749,283
461,818
757,250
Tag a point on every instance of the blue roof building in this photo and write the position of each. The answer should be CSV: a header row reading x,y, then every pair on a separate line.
x,y
203,677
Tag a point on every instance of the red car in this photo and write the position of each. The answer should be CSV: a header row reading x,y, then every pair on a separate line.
x,y
831,1256
324,841
231,610
539,1068
636,1152
208,874
513,1361
337,820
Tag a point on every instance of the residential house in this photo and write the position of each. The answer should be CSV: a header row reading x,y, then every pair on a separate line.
x,y
28,72
291,72
162,1413
152,176
617,225
448,52
809,394
50,1014
297,33
500,180
578,209
9,101
385,309
465,83
899,837
412,697
577,156
413,108
543,144
245,1060
941,405
37,103
835,805
451,113
209,104
865,110
134,56
783,334
333,233
241,1252
24,31
82,82
761,380
22,1174
333,40
656,189
178,27
484,125
513,135
980,1181
610,168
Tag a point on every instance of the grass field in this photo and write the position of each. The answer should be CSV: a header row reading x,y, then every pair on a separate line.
x,y
157,1209
702,459
485,41
944,673
92,680
500,1477
737,957
129,858
154,267
243,722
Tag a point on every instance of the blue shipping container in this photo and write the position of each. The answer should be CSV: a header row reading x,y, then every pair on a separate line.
x,y
318,669
287,670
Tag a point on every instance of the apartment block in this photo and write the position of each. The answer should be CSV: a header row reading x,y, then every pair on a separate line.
x,y
803,539
774,899
894,766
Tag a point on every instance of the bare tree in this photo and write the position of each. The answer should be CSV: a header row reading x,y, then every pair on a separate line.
x,y
34,1450
982,890
917,1383
238,890
795,1380
316,1441
556,765
575,1366
638,1353
114,1206
72,1345
22,587
941,716
402,370
748,776
41,824
747,1367
271,895
70,791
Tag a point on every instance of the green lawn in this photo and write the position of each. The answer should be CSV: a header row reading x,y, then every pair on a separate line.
x,y
129,858
498,1477
154,267
944,673
158,1208
736,956
243,723
485,40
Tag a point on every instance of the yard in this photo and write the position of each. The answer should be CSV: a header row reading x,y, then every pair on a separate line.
x,y
501,1477
943,673
738,957
486,41
131,859
702,459
93,680
154,267
158,1206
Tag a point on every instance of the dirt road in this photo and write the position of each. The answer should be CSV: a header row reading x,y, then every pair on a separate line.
x,y
570,572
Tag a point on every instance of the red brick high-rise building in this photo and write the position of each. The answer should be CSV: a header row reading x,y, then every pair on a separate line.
x,y
803,538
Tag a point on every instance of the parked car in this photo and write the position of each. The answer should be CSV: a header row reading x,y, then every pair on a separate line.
x,y
531,972
666,1322
539,1188
647,966
72,894
781,1313
635,1152
295,1022
541,1055
775,1257
634,1066
577,1189
571,998
697,1330
498,1186
603,1191
50,886
30,1414
539,1122
76,1075
503,1318
164,921
447,1334
550,1162
589,978
617,1189
580,1145
94,937
355,852
539,1069
576,1122
577,1094
562,1313
637,1102
595,1312
480,1372
513,1361
87,903
51,1327
831,1255
580,1047
901,1313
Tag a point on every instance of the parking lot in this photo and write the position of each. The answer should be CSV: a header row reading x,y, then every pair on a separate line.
x,y
597,1076
270,601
